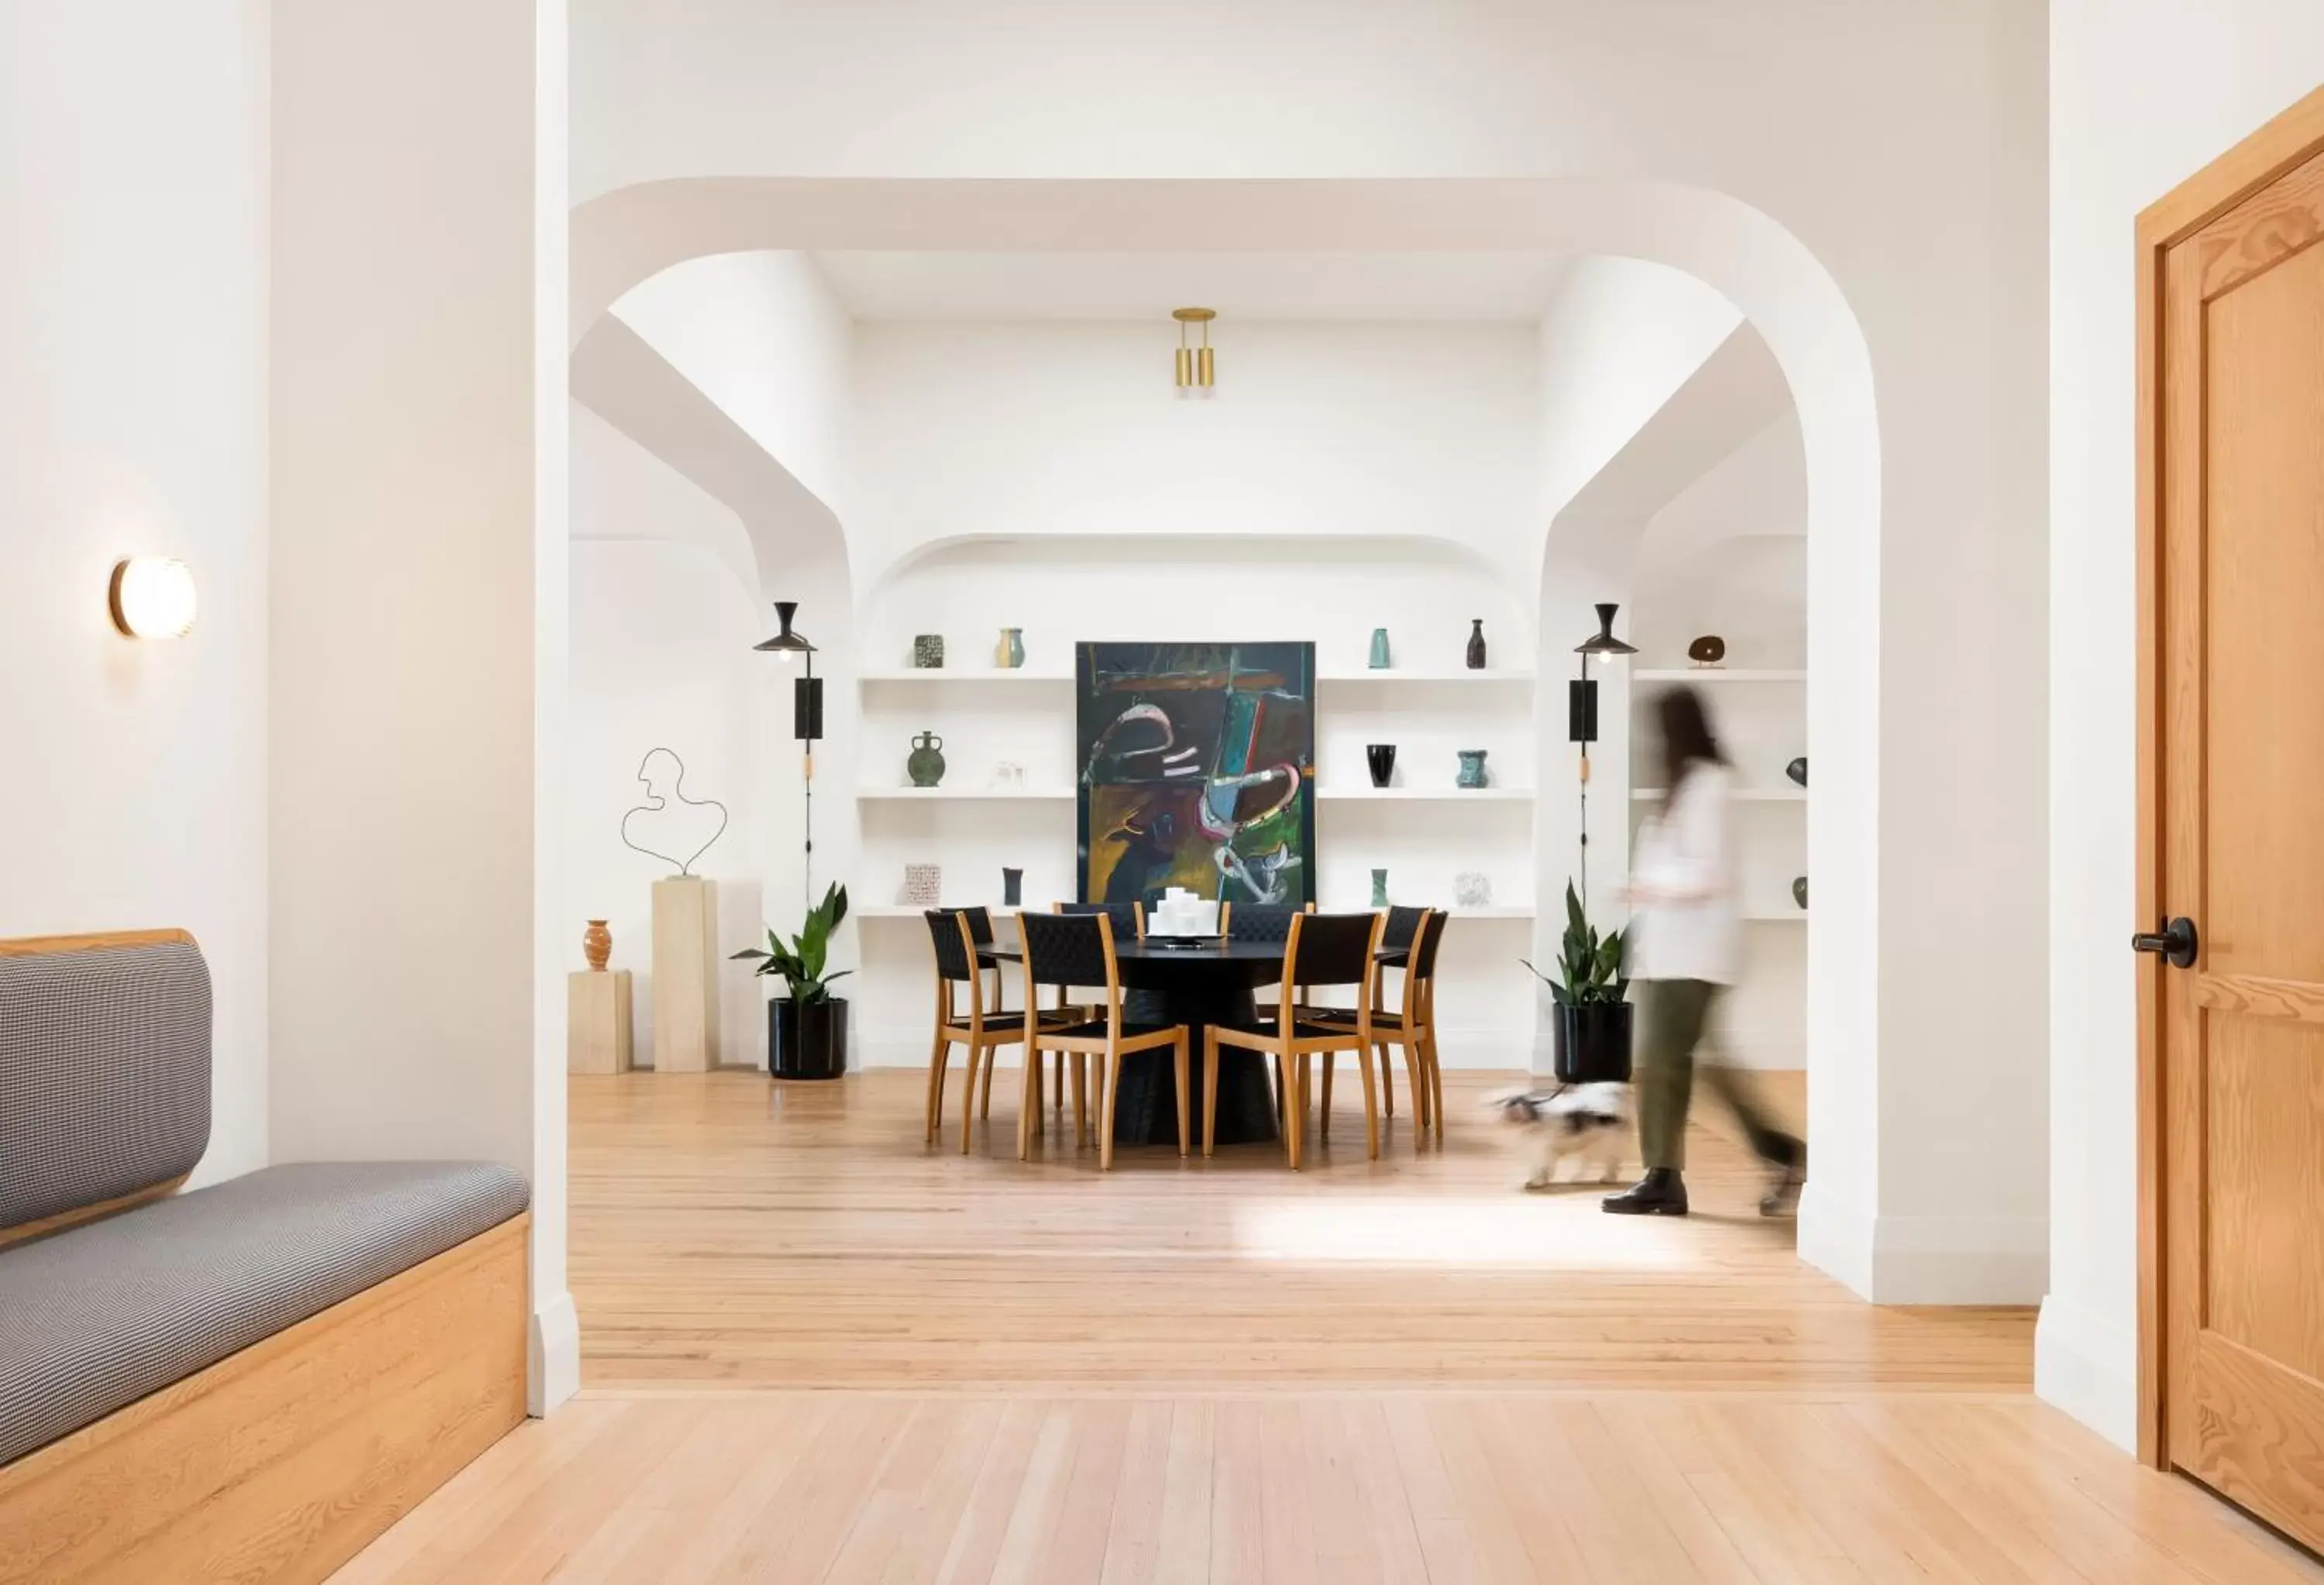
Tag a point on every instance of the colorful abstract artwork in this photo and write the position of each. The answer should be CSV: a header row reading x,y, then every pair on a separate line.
x,y
1197,769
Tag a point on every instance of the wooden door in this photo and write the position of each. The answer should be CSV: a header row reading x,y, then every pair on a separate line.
x,y
2236,586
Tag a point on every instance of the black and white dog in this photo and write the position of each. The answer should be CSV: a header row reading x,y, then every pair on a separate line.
x,y
1576,1122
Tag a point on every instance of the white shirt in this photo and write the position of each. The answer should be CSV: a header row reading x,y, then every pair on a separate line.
x,y
1684,924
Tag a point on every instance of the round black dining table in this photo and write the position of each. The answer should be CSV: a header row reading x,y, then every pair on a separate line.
x,y
1200,983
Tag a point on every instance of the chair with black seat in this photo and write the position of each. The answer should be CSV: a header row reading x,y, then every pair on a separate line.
x,y
1262,922
1077,949
1129,924
1412,1026
1321,950
978,1027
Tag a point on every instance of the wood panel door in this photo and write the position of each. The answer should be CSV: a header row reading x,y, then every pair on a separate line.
x,y
2237,409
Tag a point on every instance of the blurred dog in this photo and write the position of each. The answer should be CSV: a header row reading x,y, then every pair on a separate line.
x,y
1580,1123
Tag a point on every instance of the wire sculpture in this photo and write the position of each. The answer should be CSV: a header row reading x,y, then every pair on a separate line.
x,y
669,774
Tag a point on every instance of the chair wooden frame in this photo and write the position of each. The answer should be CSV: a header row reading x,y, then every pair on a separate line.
x,y
1411,1026
978,1037
1089,1014
1291,1049
1109,1048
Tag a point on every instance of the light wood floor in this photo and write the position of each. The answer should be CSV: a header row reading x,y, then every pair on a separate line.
x,y
726,1230
1404,1371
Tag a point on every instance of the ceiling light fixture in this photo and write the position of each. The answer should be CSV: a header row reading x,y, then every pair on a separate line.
x,y
1194,367
152,597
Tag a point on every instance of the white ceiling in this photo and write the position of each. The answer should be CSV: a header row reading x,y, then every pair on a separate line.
x,y
991,286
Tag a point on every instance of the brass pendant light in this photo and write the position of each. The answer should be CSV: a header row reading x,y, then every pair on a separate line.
x,y
1195,370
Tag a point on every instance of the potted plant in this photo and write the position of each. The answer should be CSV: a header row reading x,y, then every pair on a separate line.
x,y
1592,1038
806,1031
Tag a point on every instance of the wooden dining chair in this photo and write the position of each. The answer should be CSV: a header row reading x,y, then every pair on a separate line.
x,y
1410,1026
1129,924
977,1028
1323,950
1270,923
1077,949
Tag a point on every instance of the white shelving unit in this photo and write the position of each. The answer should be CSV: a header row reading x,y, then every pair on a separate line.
x,y
1426,795
1741,795
918,677
965,795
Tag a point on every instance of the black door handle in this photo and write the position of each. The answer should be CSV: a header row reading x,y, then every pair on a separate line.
x,y
2175,943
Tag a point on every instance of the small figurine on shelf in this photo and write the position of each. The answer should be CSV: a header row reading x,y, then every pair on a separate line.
x,y
1472,888
1707,651
1013,888
1379,888
1380,759
1477,643
1380,649
1009,653
1473,767
927,652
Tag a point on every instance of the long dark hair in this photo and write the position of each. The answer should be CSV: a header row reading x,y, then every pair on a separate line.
x,y
1687,737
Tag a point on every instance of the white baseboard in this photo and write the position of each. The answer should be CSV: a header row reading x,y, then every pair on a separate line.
x,y
553,1360
1835,1237
1925,1259
2087,1367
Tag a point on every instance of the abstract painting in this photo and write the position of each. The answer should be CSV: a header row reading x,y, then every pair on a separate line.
x,y
1197,769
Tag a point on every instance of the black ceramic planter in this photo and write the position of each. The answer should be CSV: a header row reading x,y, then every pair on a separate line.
x,y
1593,1042
806,1042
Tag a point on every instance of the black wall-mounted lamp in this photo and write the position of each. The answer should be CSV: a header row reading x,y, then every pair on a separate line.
x,y
807,715
1581,714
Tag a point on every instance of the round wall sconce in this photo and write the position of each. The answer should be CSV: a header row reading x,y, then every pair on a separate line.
x,y
152,597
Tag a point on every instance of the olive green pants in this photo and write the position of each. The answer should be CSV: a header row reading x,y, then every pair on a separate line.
x,y
1676,1012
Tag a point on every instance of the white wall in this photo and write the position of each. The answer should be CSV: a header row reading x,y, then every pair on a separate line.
x,y
661,629
1900,155
418,943
1047,429
132,421
2144,93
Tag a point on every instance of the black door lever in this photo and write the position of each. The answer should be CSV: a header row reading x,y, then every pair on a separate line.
x,y
2175,943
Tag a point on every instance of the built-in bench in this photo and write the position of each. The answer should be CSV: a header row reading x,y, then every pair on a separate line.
x,y
249,1381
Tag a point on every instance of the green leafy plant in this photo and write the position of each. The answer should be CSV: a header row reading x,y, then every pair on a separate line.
x,y
801,963
1588,965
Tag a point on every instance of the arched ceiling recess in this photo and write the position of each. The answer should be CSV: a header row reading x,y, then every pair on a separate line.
x,y
625,381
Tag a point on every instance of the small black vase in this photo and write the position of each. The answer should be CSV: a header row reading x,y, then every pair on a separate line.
x,y
1477,643
1381,758
1798,770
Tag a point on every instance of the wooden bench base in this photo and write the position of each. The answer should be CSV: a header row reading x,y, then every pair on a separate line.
x,y
283,1461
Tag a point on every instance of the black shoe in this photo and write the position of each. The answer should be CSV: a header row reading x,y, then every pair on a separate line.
x,y
1661,1193
1791,1170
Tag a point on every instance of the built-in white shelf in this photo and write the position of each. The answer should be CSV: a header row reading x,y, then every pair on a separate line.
x,y
1748,794
963,674
1788,917
1717,674
1456,675
1431,795
962,795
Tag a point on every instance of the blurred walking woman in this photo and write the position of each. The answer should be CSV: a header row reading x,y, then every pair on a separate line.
x,y
1683,944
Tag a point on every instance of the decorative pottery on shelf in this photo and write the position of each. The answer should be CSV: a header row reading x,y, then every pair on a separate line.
x,y
1009,774
1472,889
1473,767
1379,661
1476,643
1798,770
1800,891
1379,888
923,884
927,652
1380,757
1009,653
1013,888
927,763
597,946
1707,650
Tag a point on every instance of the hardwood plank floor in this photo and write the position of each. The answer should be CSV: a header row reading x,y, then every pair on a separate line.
x,y
1184,1372
730,1232
1444,1487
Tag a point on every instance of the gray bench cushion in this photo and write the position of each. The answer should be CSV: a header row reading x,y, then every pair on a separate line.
x,y
105,1074
95,1318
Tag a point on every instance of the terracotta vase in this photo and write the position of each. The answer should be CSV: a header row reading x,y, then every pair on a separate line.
x,y
597,946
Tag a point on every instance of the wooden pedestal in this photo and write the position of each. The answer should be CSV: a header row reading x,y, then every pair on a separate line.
x,y
685,975
597,1022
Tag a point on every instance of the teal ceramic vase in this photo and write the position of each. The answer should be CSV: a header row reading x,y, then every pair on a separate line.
x,y
927,764
1010,653
1379,888
1380,649
1473,767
